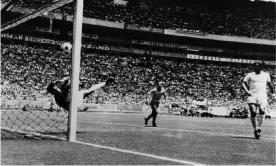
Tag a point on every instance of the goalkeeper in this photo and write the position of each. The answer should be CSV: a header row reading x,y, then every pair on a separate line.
x,y
62,93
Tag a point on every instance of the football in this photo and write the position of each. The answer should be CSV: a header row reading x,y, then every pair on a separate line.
x,y
66,47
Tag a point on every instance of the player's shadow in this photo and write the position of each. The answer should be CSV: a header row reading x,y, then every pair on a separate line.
x,y
244,137
151,126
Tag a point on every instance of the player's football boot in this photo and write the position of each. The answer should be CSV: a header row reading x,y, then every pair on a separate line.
x,y
154,125
256,134
259,133
146,121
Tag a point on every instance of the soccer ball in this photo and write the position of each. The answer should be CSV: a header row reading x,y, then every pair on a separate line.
x,y
66,47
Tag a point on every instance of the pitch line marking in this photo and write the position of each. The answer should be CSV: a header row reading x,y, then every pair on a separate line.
x,y
139,153
193,131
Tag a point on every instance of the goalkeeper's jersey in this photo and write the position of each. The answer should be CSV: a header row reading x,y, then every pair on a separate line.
x,y
62,100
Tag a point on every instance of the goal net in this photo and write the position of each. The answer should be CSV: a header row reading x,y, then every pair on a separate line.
x,y
32,32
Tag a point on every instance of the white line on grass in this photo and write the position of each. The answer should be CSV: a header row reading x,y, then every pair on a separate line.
x,y
139,153
193,131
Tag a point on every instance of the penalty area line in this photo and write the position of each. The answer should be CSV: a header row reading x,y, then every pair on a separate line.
x,y
139,153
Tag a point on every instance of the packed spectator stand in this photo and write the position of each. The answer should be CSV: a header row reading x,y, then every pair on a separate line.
x,y
252,19
27,70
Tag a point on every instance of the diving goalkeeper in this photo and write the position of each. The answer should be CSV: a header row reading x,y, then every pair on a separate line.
x,y
62,93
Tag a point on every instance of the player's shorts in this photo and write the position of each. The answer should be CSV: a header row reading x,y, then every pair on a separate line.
x,y
154,103
259,99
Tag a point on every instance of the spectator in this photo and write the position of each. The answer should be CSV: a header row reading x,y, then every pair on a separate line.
x,y
27,70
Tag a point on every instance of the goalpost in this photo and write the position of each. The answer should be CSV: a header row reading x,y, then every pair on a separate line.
x,y
38,118
76,55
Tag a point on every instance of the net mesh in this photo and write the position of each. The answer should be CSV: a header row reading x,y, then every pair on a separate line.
x,y
31,59
40,124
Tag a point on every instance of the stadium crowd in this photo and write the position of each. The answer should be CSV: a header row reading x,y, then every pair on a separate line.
x,y
250,21
26,71
254,20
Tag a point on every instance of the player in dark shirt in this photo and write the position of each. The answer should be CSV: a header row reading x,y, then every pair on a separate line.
x,y
157,94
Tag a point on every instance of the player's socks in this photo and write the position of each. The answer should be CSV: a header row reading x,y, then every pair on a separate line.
x,y
254,123
259,132
260,123
260,120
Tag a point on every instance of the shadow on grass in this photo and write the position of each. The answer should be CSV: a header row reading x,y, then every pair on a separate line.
x,y
78,132
151,126
244,137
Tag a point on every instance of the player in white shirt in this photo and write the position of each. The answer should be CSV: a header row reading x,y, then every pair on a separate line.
x,y
257,95
157,94
62,93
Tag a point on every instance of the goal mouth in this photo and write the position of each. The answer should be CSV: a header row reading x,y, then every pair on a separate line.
x,y
18,124
7,133
37,29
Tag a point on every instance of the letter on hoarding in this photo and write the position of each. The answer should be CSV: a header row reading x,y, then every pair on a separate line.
x,y
131,27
